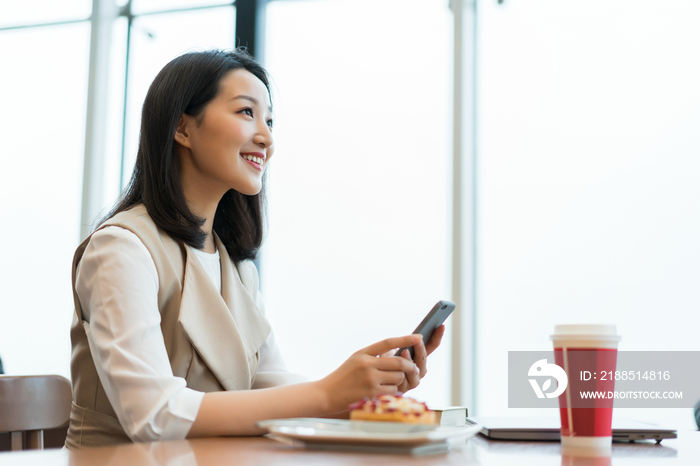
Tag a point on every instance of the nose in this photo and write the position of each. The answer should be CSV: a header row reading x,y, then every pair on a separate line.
x,y
263,137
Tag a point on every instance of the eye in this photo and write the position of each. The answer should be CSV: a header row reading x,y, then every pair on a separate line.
x,y
248,111
269,123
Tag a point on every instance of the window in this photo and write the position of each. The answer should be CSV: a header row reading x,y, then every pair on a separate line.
x,y
43,119
358,246
44,82
588,167
157,39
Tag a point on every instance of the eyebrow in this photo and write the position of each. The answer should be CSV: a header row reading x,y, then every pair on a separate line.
x,y
252,99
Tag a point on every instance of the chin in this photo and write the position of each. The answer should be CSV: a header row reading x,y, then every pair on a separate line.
x,y
248,190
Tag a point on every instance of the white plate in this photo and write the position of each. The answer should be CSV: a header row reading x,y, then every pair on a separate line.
x,y
338,431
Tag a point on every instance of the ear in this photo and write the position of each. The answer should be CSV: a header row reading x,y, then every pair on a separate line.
x,y
182,135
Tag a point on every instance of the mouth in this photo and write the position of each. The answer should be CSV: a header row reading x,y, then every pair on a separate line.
x,y
255,159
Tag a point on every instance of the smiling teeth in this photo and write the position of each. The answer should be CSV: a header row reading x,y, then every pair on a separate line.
x,y
252,158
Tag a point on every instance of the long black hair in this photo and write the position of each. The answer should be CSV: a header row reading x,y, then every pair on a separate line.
x,y
186,85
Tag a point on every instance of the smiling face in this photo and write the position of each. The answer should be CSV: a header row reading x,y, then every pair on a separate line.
x,y
230,143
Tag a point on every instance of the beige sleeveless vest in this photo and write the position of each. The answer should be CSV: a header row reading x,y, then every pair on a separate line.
x,y
212,339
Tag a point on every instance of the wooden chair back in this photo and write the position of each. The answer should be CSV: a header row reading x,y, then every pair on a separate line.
x,y
30,404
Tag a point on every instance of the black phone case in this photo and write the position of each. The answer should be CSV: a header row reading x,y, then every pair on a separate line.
x,y
437,315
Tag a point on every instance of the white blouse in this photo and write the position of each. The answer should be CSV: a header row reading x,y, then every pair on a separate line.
x,y
117,285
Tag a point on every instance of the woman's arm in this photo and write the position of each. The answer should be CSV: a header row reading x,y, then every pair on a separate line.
x,y
151,403
365,373
117,284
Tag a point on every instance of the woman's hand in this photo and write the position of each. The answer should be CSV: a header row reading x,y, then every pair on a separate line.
x,y
421,352
372,371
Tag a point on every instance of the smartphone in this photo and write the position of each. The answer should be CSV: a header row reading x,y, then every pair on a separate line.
x,y
437,315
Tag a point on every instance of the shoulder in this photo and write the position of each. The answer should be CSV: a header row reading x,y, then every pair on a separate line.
x,y
110,235
113,240
114,260
134,218
162,247
129,231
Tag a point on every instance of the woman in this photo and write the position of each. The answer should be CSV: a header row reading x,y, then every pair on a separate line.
x,y
169,335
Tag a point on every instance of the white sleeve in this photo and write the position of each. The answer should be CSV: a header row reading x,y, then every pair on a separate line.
x,y
117,285
272,371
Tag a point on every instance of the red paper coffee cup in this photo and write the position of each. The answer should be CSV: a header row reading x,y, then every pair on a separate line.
x,y
588,355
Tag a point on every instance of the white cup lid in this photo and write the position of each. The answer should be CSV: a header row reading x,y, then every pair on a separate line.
x,y
587,334
585,329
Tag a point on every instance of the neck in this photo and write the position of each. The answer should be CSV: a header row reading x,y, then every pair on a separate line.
x,y
202,199
207,211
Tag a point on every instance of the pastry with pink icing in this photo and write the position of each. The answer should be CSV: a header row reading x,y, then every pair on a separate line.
x,y
392,408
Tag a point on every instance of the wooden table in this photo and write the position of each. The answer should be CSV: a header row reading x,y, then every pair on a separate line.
x,y
261,451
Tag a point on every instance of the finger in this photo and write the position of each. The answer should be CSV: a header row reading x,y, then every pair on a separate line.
x,y
395,378
412,379
391,343
420,357
387,390
409,371
435,339
406,354
394,364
